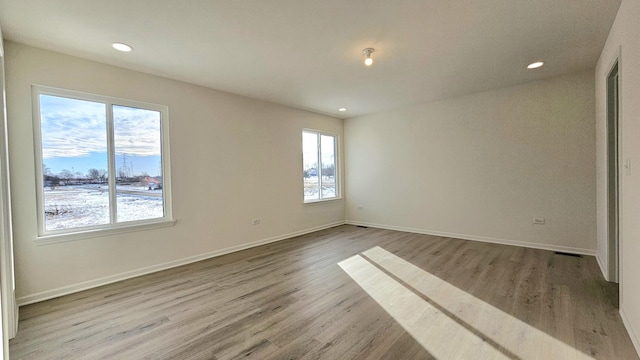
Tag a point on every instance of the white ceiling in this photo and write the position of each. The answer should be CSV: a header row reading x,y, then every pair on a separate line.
x,y
308,53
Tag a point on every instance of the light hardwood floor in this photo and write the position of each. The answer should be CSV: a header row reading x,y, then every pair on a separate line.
x,y
342,293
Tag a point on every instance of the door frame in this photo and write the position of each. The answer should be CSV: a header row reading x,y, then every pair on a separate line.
x,y
7,280
613,170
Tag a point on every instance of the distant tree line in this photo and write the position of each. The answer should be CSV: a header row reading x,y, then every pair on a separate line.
x,y
66,177
327,171
93,176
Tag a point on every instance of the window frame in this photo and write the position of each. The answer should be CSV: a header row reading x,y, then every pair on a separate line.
x,y
336,158
113,227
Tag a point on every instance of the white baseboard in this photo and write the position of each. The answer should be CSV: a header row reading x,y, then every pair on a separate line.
x,y
65,290
550,247
632,334
605,273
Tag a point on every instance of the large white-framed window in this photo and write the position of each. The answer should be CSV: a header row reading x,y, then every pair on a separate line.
x,y
102,164
320,166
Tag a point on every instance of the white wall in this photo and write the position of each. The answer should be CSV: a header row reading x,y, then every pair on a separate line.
x,y
624,37
482,166
233,159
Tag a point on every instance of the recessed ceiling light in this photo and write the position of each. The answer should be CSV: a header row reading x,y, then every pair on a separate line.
x,y
342,109
121,47
535,65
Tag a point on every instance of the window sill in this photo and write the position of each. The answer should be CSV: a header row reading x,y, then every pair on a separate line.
x,y
93,233
322,201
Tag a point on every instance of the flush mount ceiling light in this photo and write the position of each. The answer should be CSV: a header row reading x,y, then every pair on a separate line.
x,y
535,65
121,47
342,109
368,61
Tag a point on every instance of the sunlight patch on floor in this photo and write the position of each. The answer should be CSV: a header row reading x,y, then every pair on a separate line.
x,y
452,324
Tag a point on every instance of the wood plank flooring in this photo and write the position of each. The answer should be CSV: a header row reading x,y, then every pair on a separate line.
x,y
292,300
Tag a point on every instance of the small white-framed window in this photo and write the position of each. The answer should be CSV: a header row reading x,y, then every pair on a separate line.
x,y
319,166
102,163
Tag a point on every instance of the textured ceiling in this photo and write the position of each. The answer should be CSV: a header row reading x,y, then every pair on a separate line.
x,y
308,53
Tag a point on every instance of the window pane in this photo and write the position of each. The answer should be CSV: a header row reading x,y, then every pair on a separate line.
x,y
327,158
310,166
74,150
137,144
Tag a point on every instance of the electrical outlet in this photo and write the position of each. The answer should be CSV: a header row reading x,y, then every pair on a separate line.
x,y
360,207
256,221
538,221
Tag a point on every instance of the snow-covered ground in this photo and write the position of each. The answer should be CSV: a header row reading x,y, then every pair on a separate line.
x,y
68,207
311,188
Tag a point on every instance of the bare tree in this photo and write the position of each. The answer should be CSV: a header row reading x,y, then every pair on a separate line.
x,y
102,175
99,175
94,174
66,175
329,170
